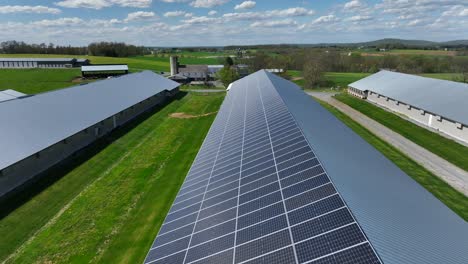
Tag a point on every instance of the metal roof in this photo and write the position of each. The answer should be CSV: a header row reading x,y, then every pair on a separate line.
x,y
98,68
9,94
34,123
71,60
402,220
440,97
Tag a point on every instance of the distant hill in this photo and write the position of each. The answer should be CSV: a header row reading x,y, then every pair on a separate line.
x,y
395,43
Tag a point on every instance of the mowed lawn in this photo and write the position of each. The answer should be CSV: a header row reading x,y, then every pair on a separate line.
x,y
435,143
33,81
109,208
334,79
440,189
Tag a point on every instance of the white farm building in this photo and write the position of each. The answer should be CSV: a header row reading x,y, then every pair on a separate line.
x,y
42,130
439,104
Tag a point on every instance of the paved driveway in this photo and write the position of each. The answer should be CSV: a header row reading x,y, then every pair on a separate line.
x,y
450,173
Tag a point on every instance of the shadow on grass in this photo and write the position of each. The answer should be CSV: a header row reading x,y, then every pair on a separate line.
x,y
42,181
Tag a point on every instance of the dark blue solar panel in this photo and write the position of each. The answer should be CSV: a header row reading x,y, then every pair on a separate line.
x,y
256,193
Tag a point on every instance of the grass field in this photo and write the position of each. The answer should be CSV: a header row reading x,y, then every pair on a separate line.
x,y
109,208
435,143
334,79
440,189
33,81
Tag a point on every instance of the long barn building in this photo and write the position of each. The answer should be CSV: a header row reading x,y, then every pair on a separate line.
x,y
280,180
39,131
25,63
438,104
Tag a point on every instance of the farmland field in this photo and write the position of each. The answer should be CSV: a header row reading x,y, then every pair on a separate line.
x,y
440,189
109,208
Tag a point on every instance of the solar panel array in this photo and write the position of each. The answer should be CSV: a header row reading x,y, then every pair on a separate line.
x,y
256,193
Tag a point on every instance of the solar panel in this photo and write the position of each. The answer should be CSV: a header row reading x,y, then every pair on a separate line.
x,y
256,193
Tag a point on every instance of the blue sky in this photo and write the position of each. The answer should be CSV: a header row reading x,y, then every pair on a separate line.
x,y
230,22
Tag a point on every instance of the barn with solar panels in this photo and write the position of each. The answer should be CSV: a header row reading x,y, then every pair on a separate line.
x,y
279,179
40,131
438,104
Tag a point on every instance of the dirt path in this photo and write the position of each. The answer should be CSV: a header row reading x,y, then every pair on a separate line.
x,y
445,170
189,116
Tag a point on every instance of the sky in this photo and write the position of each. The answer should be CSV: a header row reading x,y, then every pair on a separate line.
x,y
182,23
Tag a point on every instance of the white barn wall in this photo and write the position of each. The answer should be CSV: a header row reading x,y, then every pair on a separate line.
x,y
446,126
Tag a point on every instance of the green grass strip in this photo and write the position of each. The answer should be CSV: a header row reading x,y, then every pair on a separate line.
x,y
117,199
439,188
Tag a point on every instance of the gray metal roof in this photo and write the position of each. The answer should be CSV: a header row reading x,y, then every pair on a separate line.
x,y
40,59
440,97
403,221
9,94
98,68
34,123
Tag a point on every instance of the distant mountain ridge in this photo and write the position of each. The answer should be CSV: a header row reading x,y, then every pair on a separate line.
x,y
398,42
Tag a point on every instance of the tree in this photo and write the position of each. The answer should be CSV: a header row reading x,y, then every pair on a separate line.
x,y
313,72
229,62
227,75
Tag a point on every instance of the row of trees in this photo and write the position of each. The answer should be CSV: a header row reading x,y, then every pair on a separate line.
x,y
314,62
110,49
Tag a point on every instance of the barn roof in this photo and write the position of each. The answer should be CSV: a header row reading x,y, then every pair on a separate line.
x,y
440,97
98,68
31,124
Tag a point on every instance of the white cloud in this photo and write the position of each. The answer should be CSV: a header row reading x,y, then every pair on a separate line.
x,y
415,22
245,5
290,12
325,19
175,13
202,20
208,3
99,4
29,9
275,23
354,4
457,10
66,21
139,15
212,12
359,18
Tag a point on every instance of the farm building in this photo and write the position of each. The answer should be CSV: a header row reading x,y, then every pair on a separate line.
x,y
104,70
7,95
188,73
279,179
40,131
438,104
19,63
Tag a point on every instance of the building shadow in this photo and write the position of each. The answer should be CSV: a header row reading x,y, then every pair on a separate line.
x,y
15,199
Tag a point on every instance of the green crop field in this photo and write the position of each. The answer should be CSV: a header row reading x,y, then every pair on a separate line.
x,y
108,209
334,79
435,143
443,76
440,189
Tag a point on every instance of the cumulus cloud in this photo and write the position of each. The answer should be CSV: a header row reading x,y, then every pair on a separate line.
x,y
139,15
177,14
212,12
290,12
245,5
99,4
359,18
325,19
66,21
354,4
29,9
208,3
275,23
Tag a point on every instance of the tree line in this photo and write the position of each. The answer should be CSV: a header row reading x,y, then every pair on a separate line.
x,y
109,49
314,62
